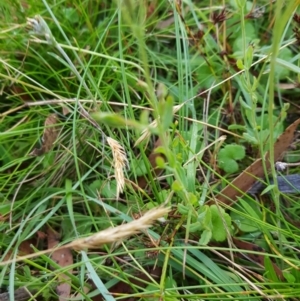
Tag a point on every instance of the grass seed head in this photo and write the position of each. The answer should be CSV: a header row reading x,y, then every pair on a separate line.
x,y
120,161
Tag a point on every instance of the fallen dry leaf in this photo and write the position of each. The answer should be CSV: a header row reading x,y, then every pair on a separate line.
x,y
65,110
20,294
20,92
79,296
49,136
249,176
257,258
24,248
64,258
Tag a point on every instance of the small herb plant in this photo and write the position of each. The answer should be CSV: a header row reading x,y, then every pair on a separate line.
x,y
212,222
228,156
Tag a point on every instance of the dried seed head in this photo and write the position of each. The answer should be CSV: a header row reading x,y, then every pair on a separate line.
x,y
114,235
296,18
219,18
256,13
38,26
146,133
297,35
120,161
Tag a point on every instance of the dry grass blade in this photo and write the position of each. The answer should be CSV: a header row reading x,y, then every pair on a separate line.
x,y
120,162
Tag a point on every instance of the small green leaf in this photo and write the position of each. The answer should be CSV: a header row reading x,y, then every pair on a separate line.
x,y
245,105
194,227
110,119
27,272
285,107
166,112
239,64
144,117
251,139
115,120
204,217
270,272
228,155
170,282
230,166
161,91
139,167
255,84
70,14
5,208
160,162
289,277
218,218
205,237
236,127
244,224
94,186
241,219
184,210
240,3
234,151
193,200
176,186
249,57
151,205
109,189
267,189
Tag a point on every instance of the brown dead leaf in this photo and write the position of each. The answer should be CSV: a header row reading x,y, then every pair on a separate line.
x,y
20,294
257,258
4,218
41,235
142,180
65,110
151,8
64,258
249,176
24,248
49,136
79,296
21,93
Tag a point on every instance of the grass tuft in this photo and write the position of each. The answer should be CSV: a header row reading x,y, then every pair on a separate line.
x,y
113,108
